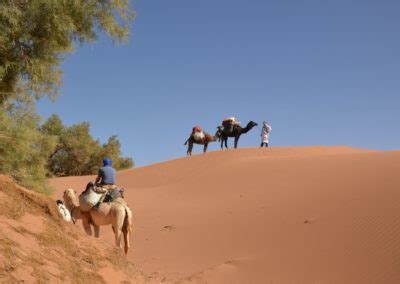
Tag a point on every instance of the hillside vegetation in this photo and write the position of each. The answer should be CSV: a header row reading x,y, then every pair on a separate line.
x,y
36,245
30,152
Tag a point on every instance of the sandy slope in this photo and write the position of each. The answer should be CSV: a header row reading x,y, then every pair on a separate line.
x,y
37,246
282,215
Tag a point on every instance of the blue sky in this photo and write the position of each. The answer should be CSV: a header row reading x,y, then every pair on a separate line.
x,y
322,72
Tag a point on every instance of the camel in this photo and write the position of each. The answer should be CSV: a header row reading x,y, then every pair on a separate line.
x,y
116,213
205,141
237,131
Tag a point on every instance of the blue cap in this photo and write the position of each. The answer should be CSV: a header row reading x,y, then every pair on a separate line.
x,y
107,162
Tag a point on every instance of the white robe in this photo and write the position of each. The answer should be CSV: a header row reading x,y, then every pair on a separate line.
x,y
266,130
64,212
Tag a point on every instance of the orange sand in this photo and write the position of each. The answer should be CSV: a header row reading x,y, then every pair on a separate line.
x,y
278,215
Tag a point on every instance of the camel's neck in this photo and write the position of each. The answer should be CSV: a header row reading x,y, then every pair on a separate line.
x,y
73,208
214,138
246,129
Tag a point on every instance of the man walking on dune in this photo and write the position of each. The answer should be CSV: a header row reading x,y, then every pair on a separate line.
x,y
265,131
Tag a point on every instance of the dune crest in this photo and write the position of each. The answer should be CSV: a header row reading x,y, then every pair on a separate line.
x,y
280,215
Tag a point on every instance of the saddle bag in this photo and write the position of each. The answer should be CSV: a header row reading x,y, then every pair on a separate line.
x,y
88,199
114,194
198,136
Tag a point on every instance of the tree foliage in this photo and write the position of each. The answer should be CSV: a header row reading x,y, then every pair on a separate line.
x,y
35,35
24,149
30,152
77,152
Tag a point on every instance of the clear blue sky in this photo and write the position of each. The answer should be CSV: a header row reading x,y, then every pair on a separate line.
x,y
322,72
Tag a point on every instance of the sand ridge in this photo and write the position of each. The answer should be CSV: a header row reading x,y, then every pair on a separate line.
x,y
278,215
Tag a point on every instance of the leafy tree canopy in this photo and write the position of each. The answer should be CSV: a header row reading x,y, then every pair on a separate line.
x,y
35,34
24,149
77,152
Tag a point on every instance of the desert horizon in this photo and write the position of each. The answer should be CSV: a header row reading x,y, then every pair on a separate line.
x,y
204,142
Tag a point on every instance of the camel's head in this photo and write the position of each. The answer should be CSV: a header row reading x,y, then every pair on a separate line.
x,y
251,124
69,197
219,131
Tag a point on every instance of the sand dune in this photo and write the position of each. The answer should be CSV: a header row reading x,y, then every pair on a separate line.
x,y
279,215
37,246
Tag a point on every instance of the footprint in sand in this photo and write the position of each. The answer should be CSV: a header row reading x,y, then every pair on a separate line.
x,y
168,227
309,221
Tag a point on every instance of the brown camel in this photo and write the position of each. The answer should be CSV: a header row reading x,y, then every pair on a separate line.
x,y
237,130
207,139
116,213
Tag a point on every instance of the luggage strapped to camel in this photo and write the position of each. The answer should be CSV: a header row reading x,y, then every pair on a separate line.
x,y
197,133
88,199
230,122
91,197
196,129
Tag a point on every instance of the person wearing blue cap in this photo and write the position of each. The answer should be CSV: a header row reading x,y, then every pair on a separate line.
x,y
105,180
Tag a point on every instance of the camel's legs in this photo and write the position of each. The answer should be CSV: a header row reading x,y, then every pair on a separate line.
x,y
118,231
125,231
120,238
118,235
96,231
205,147
126,241
236,141
226,142
86,226
190,147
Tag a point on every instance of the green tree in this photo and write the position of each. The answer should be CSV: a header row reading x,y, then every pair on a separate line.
x,y
53,126
24,149
112,150
77,152
35,35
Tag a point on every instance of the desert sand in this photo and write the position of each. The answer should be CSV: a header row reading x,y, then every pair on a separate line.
x,y
278,215
37,246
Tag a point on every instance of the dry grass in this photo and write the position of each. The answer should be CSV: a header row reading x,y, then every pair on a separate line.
x,y
64,255
22,230
12,256
117,258
19,201
8,208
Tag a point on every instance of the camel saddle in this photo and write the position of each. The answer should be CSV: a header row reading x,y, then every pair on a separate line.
x,y
198,133
230,121
88,199
198,136
114,194
196,129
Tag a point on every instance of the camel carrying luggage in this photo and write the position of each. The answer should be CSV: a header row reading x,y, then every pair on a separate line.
x,y
229,121
198,134
88,199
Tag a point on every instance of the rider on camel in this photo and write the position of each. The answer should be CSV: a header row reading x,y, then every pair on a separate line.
x,y
105,180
